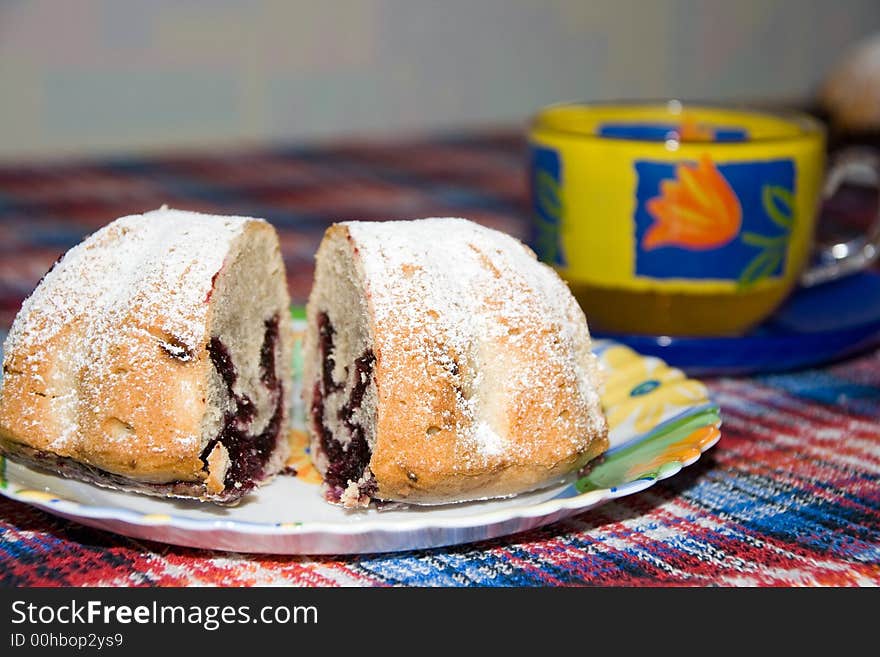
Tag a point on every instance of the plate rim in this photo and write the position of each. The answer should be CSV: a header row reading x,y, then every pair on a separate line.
x,y
546,507
559,503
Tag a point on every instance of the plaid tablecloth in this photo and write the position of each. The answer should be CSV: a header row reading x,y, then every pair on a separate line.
x,y
790,495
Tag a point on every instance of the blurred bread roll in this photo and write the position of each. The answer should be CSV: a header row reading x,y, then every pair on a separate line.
x,y
851,93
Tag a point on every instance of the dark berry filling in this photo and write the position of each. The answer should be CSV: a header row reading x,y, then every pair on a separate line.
x,y
211,290
222,362
363,372
345,463
267,352
248,452
244,407
325,337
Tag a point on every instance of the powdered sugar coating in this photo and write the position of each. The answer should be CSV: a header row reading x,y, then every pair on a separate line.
x,y
488,442
470,292
152,273
134,264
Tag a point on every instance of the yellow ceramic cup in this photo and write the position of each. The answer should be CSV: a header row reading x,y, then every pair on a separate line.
x,y
673,219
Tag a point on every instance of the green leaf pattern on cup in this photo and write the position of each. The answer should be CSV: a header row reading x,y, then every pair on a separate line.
x,y
779,205
549,201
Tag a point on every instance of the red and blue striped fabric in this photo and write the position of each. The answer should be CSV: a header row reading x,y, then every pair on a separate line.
x,y
790,495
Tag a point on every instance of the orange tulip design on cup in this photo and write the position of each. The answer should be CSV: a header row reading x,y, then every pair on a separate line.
x,y
698,210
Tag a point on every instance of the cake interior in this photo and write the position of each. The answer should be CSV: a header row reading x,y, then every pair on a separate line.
x,y
346,450
242,442
249,449
341,392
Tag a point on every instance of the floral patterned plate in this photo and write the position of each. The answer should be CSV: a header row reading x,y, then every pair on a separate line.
x,y
660,422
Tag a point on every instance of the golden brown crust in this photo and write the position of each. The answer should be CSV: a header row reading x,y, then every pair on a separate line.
x,y
411,466
160,399
218,464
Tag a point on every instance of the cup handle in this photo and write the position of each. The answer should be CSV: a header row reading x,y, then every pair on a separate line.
x,y
845,258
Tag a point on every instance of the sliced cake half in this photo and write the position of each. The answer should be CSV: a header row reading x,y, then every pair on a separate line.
x,y
443,362
155,357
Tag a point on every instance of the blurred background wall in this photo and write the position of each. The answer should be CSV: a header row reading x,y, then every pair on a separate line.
x,y
98,76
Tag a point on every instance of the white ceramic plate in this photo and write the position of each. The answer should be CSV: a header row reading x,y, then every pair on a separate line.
x,y
660,421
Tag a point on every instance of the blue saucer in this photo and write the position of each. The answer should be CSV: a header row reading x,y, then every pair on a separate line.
x,y
815,326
